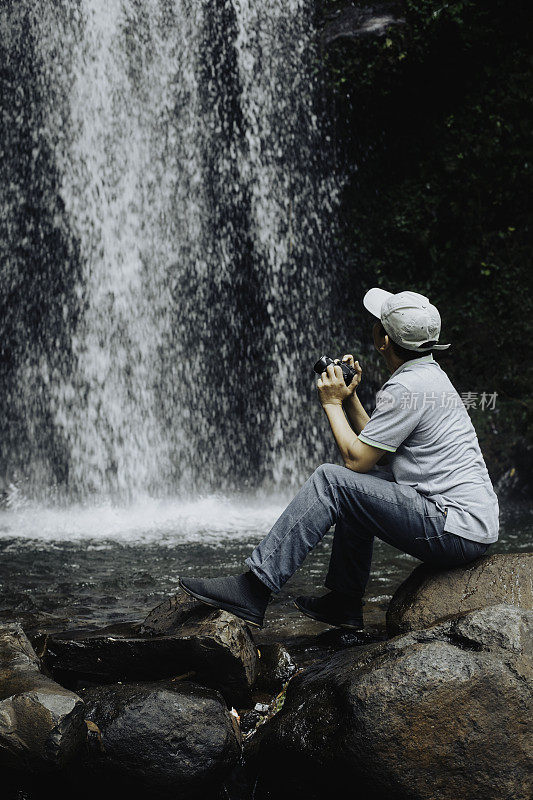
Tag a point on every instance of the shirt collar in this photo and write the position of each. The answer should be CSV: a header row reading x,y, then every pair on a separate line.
x,y
422,360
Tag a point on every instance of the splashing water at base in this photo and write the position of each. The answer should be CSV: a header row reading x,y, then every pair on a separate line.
x,y
165,522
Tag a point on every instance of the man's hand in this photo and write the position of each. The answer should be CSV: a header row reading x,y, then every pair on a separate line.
x,y
332,389
348,359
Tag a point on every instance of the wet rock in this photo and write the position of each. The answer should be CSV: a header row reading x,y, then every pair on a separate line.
x,y
184,616
440,713
41,724
500,628
180,637
164,738
430,594
34,622
275,666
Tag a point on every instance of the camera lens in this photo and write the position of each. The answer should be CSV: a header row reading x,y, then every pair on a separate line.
x,y
321,364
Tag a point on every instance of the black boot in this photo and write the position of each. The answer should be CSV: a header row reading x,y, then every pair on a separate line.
x,y
333,608
243,595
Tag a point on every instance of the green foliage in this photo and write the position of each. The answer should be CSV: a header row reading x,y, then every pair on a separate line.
x,y
433,124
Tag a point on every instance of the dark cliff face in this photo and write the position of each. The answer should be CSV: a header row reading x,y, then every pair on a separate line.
x,y
430,112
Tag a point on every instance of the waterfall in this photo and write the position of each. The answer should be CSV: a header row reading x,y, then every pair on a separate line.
x,y
168,246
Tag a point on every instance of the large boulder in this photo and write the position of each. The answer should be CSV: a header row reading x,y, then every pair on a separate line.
x,y
159,739
443,713
430,594
179,637
42,725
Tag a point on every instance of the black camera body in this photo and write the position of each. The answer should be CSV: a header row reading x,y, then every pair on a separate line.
x,y
324,361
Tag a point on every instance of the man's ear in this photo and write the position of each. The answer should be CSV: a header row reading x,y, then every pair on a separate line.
x,y
386,344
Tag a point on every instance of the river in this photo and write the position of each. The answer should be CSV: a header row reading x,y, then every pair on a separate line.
x,y
97,566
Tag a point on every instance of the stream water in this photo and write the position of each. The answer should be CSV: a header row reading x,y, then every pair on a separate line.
x,y
96,566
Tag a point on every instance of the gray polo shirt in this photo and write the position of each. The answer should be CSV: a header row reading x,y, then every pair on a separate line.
x,y
421,420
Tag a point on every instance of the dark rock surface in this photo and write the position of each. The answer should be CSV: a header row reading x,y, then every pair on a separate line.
x,y
180,637
441,713
183,615
41,724
276,666
430,594
166,738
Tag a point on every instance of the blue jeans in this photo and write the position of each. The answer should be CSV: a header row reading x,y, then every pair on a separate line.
x,y
361,506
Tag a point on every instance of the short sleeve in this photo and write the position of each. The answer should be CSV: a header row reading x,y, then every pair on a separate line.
x,y
396,415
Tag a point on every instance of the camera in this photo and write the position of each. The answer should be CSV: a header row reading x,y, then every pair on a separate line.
x,y
324,361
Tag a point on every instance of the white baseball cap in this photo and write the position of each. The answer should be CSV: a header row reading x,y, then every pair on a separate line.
x,y
408,317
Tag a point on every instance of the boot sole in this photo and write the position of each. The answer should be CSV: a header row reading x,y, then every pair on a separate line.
x,y
319,618
235,610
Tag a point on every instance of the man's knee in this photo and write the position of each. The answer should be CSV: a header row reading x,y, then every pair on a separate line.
x,y
332,475
328,474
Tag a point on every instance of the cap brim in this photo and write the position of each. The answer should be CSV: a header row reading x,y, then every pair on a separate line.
x,y
374,299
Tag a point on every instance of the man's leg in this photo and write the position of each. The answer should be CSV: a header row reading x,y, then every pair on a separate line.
x,y
302,525
415,527
366,506
350,560
362,506
307,518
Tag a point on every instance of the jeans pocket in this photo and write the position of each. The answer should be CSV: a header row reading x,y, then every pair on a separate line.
x,y
432,510
434,524
439,550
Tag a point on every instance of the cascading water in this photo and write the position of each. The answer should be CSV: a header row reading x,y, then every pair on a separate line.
x,y
167,246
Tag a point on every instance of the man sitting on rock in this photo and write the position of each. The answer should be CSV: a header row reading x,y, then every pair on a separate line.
x,y
434,500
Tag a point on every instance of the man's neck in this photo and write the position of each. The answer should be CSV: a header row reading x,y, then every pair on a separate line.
x,y
393,362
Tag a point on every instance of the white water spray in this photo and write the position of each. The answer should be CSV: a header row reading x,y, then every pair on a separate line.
x,y
191,168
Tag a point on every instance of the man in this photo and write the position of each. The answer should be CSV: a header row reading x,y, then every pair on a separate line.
x,y
434,500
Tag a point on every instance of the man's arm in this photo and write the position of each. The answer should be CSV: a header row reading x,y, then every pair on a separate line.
x,y
354,409
355,412
333,392
357,455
